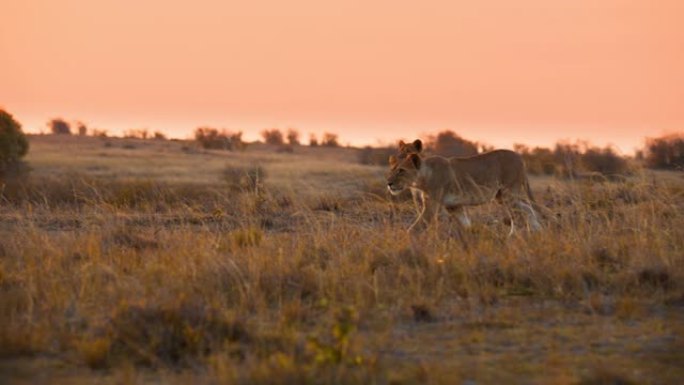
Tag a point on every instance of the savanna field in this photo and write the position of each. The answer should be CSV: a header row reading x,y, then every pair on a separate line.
x,y
128,261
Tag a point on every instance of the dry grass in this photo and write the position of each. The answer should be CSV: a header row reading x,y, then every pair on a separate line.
x,y
142,265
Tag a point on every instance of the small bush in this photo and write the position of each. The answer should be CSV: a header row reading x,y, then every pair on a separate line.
x,y
538,160
293,137
211,138
604,161
375,156
173,333
59,126
81,128
330,140
99,133
337,348
313,141
273,136
448,144
578,160
142,133
244,178
581,159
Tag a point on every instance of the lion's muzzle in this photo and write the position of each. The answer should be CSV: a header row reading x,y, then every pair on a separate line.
x,y
394,189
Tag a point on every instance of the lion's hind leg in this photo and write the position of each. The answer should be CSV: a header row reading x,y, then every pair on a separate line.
x,y
531,214
506,199
457,230
461,215
515,203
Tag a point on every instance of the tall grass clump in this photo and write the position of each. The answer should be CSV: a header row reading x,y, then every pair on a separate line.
x,y
249,179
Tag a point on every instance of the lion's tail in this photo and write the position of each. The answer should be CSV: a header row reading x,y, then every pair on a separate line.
x,y
530,196
544,211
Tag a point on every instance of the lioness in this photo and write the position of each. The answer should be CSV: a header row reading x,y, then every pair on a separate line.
x,y
416,147
452,183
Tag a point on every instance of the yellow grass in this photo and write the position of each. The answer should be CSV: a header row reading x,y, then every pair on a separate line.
x,y
139,262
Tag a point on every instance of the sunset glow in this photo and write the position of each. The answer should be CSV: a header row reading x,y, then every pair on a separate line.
x,y
498,71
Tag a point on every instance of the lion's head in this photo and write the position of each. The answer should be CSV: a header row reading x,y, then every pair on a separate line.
x,y
405,149
403,172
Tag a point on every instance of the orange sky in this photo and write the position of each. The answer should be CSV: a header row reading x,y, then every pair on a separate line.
x,y
499,71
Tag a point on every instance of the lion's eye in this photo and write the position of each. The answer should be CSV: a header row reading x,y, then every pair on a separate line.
x,y
401,171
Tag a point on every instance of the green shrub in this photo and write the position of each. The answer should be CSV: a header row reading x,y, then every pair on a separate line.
x,y
169,333
13,143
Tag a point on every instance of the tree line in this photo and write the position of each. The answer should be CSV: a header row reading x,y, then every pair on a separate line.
x,y
207,137
564,159
283,140
59,126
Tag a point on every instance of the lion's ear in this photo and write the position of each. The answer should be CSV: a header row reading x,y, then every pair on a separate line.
x,y
392,160
416,160
401,144
418,145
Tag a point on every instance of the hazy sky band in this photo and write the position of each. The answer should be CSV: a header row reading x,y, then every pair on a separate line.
x,y
496,71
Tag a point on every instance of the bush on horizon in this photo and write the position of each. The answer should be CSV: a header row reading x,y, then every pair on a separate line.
x,y
13,143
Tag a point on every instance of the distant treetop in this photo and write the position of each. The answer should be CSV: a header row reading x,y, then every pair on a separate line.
x,y
59,126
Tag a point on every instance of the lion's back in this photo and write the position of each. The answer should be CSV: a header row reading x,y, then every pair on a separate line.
x,y
498,167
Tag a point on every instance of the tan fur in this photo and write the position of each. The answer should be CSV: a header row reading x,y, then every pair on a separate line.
x,y
453,183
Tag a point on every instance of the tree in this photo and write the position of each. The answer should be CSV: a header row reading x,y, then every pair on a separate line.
x,y
313,142
605,161
13,142
59,126
99,133
448,143
141,133
211,138
376,156
293,137
81,128
236,142
666,152
273,136
329,140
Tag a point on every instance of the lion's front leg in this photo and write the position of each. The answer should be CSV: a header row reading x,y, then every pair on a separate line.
x,y
427,216
417,196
